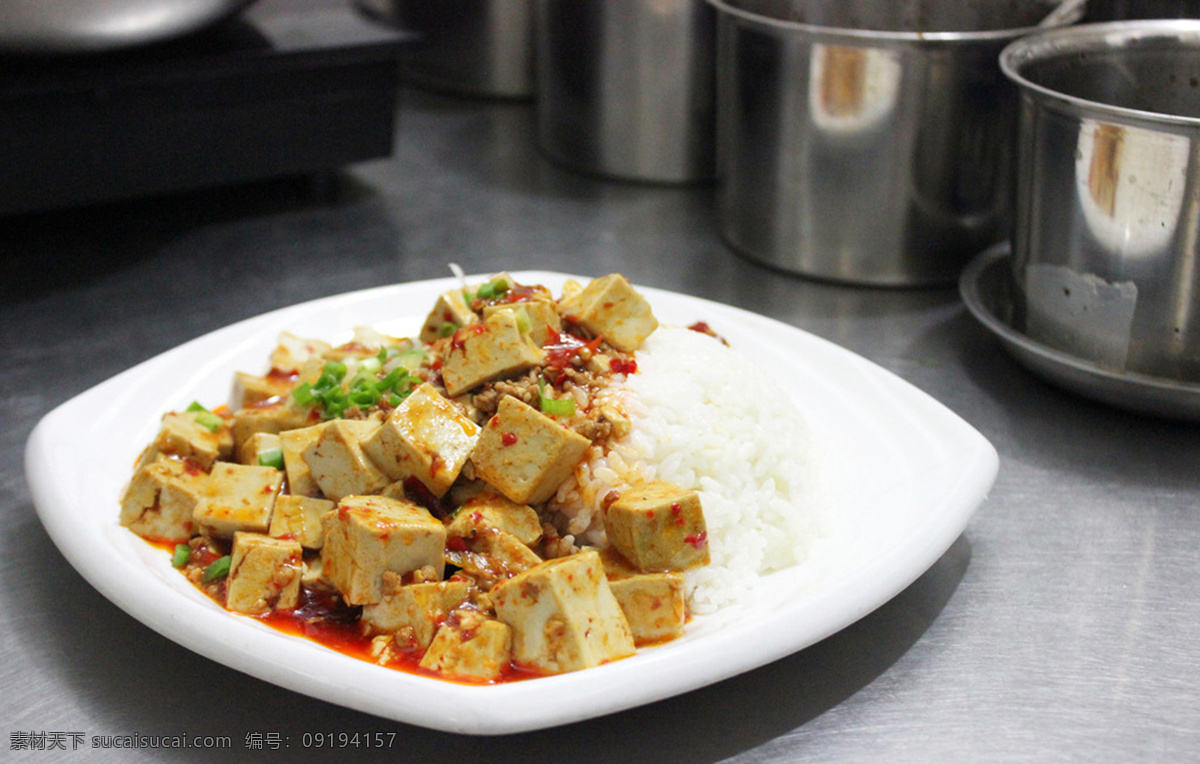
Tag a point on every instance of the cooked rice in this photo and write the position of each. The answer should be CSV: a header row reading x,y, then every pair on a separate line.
x,y
704,418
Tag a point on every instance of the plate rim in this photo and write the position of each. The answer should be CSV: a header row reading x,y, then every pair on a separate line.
x,y
947,522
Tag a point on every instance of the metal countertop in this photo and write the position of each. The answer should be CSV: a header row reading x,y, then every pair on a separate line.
x,y
1063,625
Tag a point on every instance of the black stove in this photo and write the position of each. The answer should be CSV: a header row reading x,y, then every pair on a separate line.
x,y
286,88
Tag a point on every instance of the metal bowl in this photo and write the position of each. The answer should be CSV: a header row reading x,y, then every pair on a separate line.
x,y
866,141
87,26
468,47
625,88
1128,10
1106,235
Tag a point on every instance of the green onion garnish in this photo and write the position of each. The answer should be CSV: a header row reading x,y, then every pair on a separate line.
x,y
217,569
558,406
209,421
554,406
524,325
412,358
183,553
492,289
204,417
326,392
271,457
370,365
364,390
447,329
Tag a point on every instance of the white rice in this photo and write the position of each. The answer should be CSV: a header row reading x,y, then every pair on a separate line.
x,y
706,419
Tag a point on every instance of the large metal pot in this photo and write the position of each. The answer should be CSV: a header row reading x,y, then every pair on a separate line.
x,y
625,88
470,47
87,26
1106,241
866,141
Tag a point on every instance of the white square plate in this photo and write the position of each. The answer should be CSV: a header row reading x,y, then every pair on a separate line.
x,y
909,475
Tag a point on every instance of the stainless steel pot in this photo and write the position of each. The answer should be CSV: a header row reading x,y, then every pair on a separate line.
x,y
1127,10
625,87
1106,241
89,26
866,141
471,47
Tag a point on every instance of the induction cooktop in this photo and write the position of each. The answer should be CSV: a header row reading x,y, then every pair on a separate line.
x,y
288,87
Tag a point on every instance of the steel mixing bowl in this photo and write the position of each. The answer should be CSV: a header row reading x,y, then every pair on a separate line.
x,y
85,26
625,88
469,47
866,141
1106,234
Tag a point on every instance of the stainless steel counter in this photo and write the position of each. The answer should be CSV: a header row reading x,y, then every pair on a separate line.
x,y
1064,625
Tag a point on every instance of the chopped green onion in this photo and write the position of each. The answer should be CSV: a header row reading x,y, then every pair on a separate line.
x,y
558,406
492,289
271,457
447,329
554,406
209,421
204,417
326,392
365,389
183,553
332,373
524,325
302,394
370,365
412,358
218,569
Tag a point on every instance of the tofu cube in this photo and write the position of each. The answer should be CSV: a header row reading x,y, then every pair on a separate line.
x,y
160,498
294,443
426,438
541,314
258,445
314,572
658,526
616,567
450,310
299,518
471,646
292,352
413,610
237,497
654,604
274,417
252,390
490,554
337,462
563,615
489,509
488,351
264,574
367,536
610,307
524,454
180,435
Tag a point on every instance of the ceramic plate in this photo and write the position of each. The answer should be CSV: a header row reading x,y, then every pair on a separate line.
x,y
909,475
